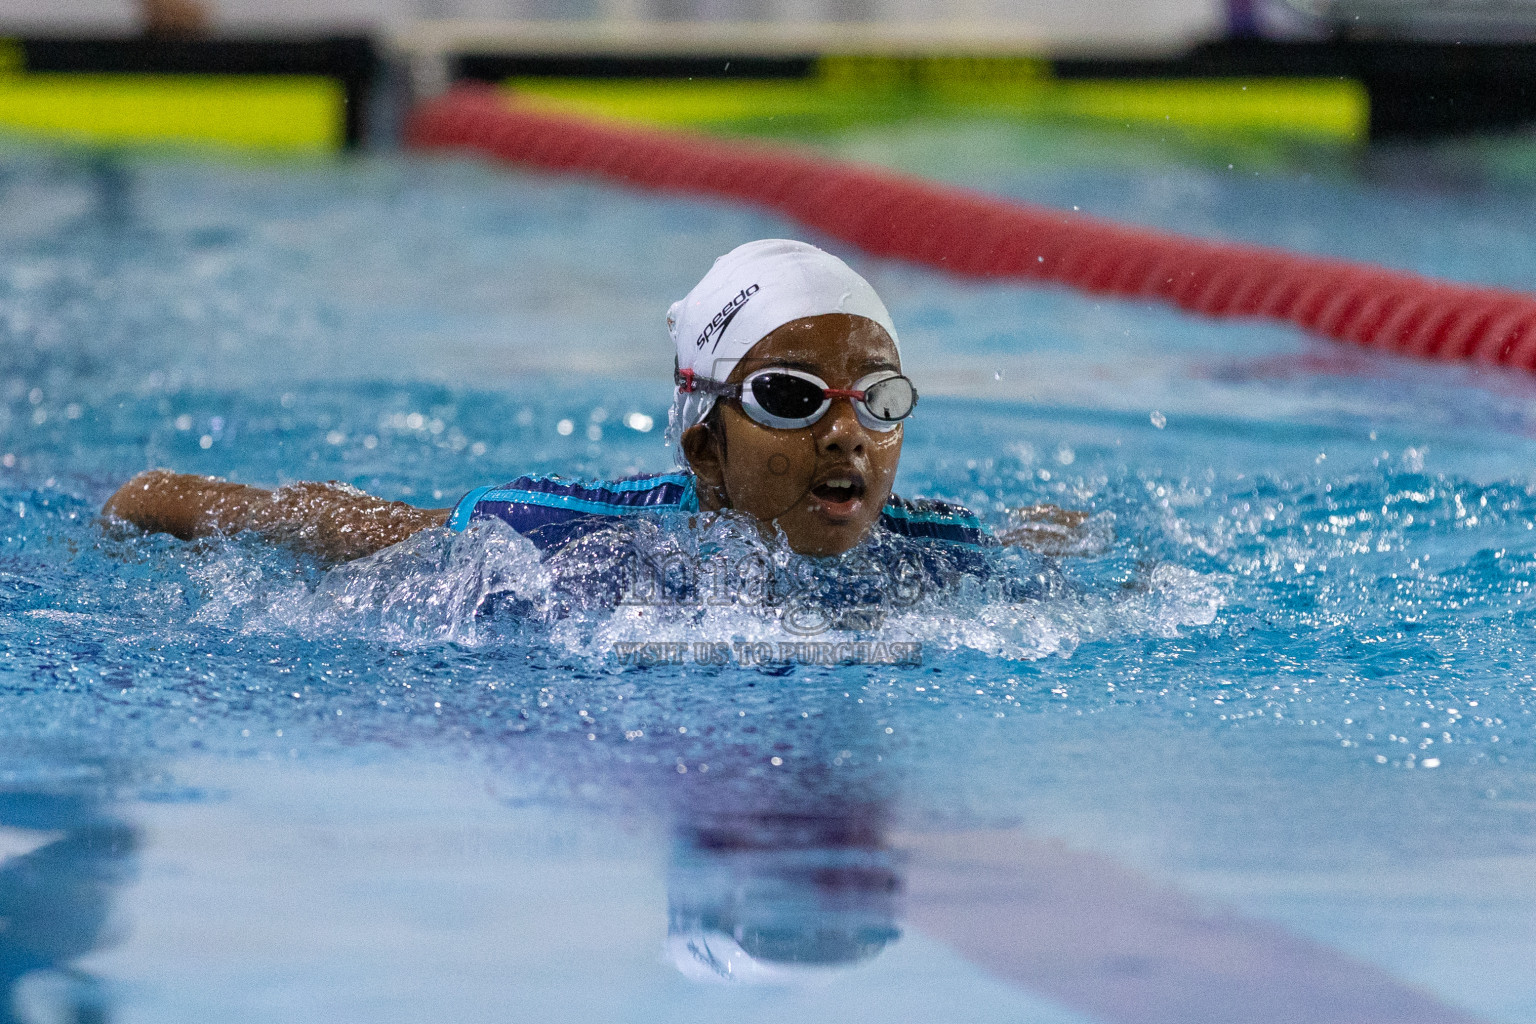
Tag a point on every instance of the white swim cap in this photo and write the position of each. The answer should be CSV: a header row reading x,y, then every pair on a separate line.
x,y
749,293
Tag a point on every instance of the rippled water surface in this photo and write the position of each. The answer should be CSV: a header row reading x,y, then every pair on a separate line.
x,y
1267,756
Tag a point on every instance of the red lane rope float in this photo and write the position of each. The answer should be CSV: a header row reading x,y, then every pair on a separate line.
x,y
974,235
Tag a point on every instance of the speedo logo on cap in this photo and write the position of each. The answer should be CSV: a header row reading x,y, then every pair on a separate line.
x,y
716,328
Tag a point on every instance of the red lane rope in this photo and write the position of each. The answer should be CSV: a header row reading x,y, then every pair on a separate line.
x,y
974,235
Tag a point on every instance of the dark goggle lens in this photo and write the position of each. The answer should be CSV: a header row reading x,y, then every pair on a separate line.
x,y
890,399
786,396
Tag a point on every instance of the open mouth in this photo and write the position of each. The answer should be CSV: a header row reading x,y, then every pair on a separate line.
x,y
838,492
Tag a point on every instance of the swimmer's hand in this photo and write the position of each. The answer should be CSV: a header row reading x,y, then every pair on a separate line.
x,y
1051,530
331,521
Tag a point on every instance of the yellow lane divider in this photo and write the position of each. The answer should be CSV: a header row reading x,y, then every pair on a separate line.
x,y
289,113
849,89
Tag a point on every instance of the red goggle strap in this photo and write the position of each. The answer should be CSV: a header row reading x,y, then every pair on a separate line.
x,y
688,381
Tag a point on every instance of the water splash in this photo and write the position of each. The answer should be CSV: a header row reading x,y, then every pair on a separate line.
x,y
714,581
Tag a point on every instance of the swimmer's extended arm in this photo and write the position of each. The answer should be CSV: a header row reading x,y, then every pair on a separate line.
x,y
1052,530
331,521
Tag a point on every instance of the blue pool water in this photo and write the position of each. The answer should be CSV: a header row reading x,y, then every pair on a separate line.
x,y
1266,757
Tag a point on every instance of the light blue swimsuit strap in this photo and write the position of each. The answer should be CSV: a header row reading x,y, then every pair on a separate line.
x,y
459,520
688,501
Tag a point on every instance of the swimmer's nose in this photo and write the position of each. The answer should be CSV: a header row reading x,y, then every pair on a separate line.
x,y
840,430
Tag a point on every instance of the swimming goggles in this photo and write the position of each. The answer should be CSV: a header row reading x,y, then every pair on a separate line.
x,y
787,399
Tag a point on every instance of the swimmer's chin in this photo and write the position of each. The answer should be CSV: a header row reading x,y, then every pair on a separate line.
x,y
828,532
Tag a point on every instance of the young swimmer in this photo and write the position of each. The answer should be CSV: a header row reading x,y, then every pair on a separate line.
x,y
789,409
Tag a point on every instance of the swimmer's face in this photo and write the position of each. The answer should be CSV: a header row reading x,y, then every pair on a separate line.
x,y
823,485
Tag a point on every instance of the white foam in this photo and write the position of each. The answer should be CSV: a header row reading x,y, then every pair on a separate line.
x,y
490,585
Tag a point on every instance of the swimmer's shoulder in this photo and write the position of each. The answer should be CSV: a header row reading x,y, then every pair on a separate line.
x,y
957,545
552,510
927,519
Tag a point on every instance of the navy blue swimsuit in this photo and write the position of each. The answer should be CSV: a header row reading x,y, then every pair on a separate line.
x,y
593,532
552,512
